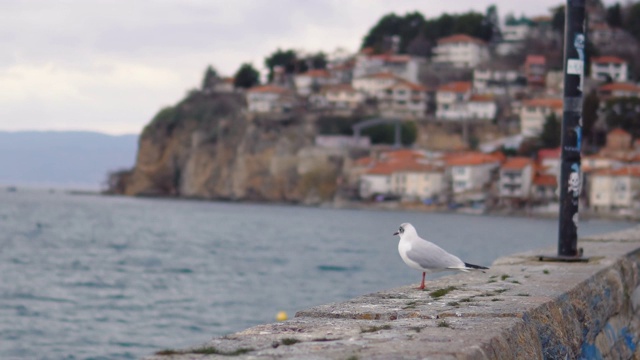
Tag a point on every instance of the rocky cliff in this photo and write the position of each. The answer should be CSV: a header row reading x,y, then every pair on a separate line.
x,y
208,146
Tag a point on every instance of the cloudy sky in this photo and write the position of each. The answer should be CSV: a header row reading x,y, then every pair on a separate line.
x,y
109,66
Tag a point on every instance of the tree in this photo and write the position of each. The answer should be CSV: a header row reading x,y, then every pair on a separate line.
x,y
287,59
632,20
589,115
551,132
623,113
318,60
406,27
246,76
210,78
614,15
557,21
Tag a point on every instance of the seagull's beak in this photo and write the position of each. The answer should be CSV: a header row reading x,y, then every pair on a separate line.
x,y
396,233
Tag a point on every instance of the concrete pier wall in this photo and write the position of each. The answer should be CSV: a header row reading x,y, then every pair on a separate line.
x,y
520,308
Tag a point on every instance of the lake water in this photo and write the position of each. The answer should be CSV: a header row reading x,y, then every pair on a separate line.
x,y
91,277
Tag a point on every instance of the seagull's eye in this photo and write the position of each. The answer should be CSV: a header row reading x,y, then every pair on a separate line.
x,y
401,230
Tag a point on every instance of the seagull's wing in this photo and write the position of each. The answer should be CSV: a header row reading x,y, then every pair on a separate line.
x,y
432,257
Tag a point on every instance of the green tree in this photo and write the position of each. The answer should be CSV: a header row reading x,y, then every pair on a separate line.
x,y
318,60
287,59
407,27
589,115
385,133
551,132
557,20
614,15
246,76
632,20
624,113
210,78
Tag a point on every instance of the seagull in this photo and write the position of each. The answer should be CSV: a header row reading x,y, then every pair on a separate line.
x,y
426,256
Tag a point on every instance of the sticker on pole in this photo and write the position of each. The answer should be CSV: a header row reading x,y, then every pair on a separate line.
x,y
575,67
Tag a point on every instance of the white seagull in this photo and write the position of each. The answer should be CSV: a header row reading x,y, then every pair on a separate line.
x,y
426,256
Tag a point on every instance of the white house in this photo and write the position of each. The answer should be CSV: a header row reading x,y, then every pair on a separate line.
x,y
482,107
311,81
516,177
415,181
451,100
497,82
342,96
404,99
611,68
374,85
460,51
269,99
618,89
404,66
376,180
534,113
514,33
471,172
615,189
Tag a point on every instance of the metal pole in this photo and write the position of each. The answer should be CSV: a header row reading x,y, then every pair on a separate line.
x,y
570,172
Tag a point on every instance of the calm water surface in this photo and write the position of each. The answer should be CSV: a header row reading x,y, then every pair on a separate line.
x,y
89,277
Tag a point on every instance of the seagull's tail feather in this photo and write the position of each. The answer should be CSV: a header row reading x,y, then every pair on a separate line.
x,y
471,266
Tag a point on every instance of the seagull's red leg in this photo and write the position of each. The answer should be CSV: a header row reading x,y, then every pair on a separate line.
x,y
422,283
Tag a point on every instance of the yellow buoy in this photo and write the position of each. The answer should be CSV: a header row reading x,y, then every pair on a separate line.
x,y
281,316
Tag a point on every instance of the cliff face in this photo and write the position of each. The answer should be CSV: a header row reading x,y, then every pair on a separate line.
x,y
208,147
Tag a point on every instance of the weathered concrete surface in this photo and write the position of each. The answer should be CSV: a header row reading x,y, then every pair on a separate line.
x,y
519,309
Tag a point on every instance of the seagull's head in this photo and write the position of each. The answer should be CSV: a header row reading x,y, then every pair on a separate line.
x,y
404,229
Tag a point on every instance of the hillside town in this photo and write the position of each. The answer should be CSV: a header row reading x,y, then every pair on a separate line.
x,y
512,84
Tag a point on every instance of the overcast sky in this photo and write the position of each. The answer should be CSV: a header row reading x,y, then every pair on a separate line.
x,y
109,66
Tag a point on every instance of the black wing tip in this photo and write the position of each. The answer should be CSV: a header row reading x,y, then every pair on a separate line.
x,y
472,266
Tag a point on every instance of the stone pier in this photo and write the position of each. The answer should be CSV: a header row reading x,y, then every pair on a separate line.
x,y
519,309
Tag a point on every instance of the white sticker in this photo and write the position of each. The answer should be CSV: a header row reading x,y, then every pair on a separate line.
x,y
575,67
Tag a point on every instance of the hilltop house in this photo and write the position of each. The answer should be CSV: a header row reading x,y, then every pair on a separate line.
x,y
404,99
416,181
403,66
270,99
516,177
615,189
534,113
470,174
535,70
374,85
514,32
311,81
460,51
609,68
342,97
452,99
488,80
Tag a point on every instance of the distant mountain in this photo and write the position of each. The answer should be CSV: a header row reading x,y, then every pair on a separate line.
x,y
73,159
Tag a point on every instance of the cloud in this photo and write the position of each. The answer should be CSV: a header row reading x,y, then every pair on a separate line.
x,y
109,65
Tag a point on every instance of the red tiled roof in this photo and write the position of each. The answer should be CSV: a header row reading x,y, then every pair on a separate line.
x,y
623,171
456,87
549,153
545,180
548,103
620,87
535,59
411,85
471,159
618,131
517,163
268,89
338,88
481,98
460,38
392,58
380,75
316,73
608,60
